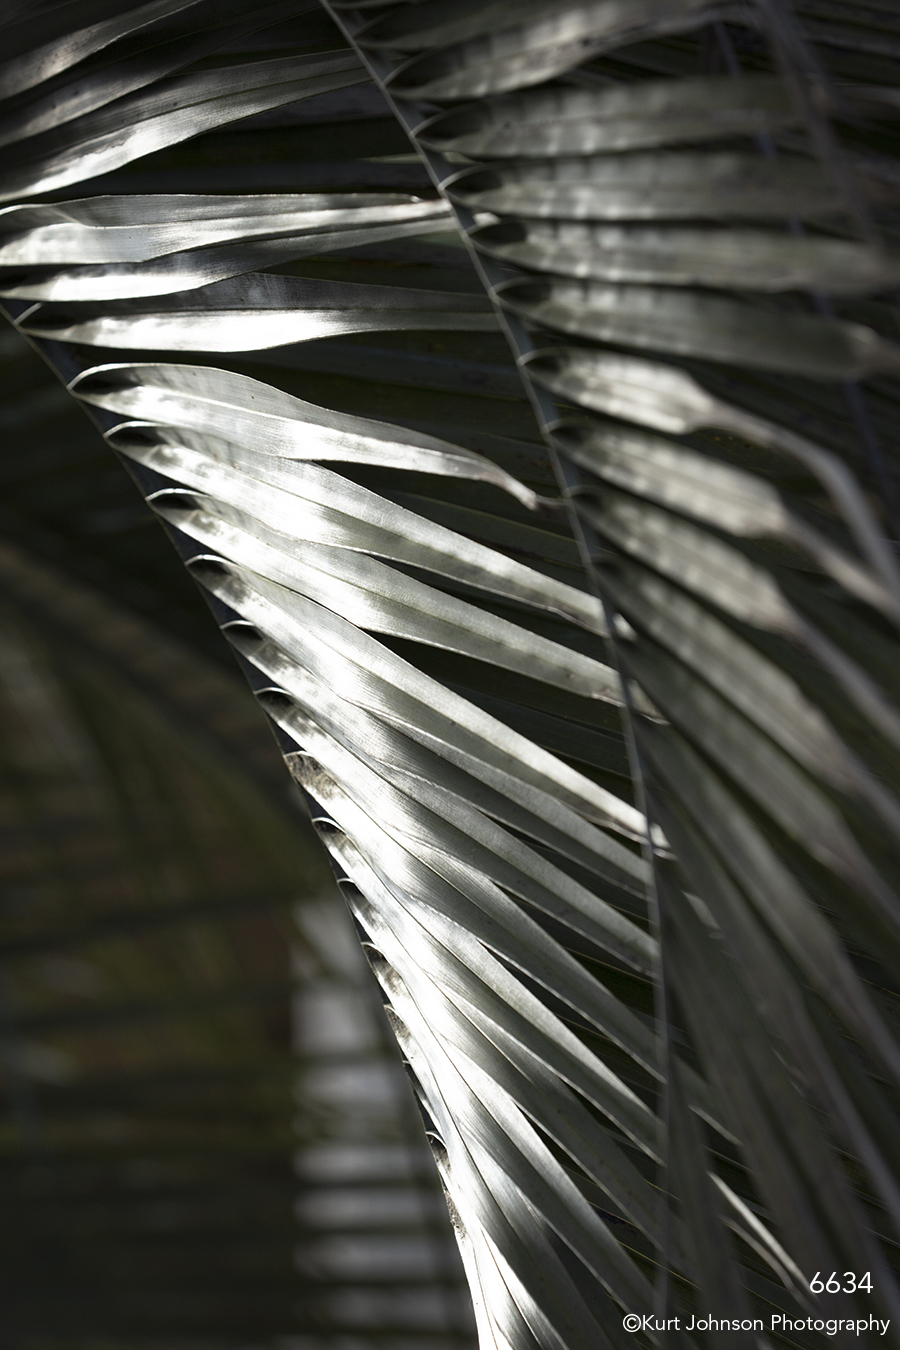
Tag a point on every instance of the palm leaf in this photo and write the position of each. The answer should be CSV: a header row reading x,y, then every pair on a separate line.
x,y
203,1101
590,680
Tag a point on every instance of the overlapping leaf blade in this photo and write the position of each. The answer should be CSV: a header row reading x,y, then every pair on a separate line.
x,y
526,145
689,266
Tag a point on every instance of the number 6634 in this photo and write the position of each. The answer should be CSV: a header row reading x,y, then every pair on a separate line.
x,y
833,1285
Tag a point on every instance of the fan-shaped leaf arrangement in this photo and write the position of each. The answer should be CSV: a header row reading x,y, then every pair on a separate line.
x,y
545,489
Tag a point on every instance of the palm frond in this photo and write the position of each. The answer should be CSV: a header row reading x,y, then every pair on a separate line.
x,y
591,681
202,1101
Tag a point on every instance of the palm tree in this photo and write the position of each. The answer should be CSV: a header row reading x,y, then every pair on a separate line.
x,y
518,383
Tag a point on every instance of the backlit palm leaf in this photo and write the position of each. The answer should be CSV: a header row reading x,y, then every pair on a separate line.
x,y
178,1058
589,678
